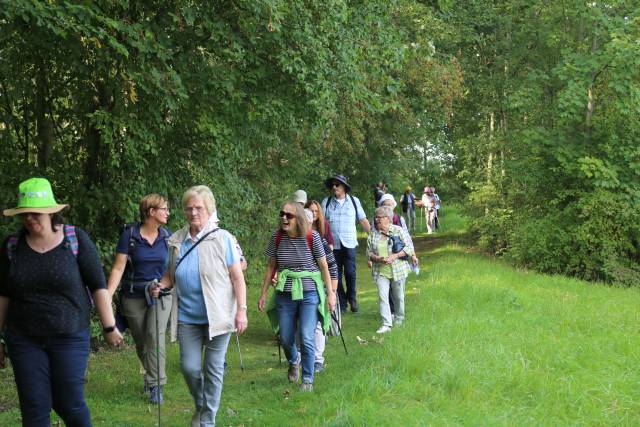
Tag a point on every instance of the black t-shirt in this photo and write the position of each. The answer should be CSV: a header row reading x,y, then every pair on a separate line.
x,y
46,291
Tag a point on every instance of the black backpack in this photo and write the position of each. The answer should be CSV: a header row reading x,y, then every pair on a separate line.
x,y
128,271
326,207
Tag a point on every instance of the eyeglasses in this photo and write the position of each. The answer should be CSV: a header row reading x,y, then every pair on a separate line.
x,y
166,209
379,218
335,184
197,209
287,215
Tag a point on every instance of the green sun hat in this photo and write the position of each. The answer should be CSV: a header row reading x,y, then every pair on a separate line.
x,y
35,196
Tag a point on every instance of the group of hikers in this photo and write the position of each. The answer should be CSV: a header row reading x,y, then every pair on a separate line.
x,y
191,281
429,202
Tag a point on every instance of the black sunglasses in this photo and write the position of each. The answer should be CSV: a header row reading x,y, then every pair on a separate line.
x,y
287,215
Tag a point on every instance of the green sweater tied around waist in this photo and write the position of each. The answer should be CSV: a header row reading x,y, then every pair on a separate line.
x,y
297,293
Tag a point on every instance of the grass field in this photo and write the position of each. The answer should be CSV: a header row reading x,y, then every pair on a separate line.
x,y
483,344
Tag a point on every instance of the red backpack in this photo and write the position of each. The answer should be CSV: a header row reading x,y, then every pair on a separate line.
x,y
279,235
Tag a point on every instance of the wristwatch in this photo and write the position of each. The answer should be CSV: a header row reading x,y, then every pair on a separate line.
x,y
242,307
108,329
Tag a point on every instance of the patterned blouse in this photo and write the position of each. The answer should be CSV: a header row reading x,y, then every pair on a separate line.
x,y
400,268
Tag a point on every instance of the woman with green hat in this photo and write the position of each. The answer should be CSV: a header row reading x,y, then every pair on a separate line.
x,y
46,270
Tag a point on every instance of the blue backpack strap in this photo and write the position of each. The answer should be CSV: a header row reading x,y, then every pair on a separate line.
x,y
12,245
70,235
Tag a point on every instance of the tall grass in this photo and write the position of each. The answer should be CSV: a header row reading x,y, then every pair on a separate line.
x,y
483,344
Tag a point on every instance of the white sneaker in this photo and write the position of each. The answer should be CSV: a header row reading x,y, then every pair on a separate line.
x,y
383,329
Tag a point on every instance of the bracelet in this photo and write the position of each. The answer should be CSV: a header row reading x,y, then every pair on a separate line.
x,y
108,329
242,307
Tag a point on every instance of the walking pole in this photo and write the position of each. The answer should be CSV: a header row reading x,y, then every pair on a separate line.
x,y
157,307
239,352
333,316
279,350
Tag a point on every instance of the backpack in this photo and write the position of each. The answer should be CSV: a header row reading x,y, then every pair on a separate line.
x,y
309,239
279,235
128,271
71,242
406,201
396,220
353,202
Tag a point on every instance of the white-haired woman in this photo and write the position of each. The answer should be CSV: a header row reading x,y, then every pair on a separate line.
x,y
204,266
389,270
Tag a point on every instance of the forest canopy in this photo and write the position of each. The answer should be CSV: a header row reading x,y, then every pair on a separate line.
x,y
526,112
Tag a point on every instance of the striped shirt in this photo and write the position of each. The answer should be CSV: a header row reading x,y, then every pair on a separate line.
x,y
331,261
294,254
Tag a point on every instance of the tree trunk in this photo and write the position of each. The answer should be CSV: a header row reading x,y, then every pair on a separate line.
x,y
590,95
25,127
44,129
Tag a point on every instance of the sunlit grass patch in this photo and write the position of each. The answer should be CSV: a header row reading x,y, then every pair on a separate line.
x,y
483,344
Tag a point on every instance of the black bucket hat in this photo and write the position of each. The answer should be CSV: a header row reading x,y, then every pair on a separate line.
x,y
340,178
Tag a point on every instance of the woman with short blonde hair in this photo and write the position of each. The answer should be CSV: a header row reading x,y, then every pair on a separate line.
x,y
140,260
210,302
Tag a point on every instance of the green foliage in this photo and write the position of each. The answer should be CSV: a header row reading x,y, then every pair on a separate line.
x,y
546,136
112,100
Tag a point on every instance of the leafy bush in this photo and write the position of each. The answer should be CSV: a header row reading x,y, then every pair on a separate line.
x,y
594,238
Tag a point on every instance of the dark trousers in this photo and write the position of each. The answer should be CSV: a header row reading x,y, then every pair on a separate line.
x,y
346,261
49,373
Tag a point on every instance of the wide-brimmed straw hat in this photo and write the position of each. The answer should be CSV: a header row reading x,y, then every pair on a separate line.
x,y
341,179
35,196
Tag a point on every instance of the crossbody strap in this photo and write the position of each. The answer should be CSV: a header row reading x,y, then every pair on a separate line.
x,y
193,247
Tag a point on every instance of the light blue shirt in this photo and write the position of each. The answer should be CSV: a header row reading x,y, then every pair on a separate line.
x,y
192,309
342,219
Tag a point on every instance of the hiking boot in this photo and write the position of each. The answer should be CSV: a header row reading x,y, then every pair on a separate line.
x,y
383,329
318,367
306,387
156,394
354,306
294,372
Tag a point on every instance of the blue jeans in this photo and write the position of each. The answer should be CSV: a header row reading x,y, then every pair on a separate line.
x,y
203,379
49,373
304,313
346,261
